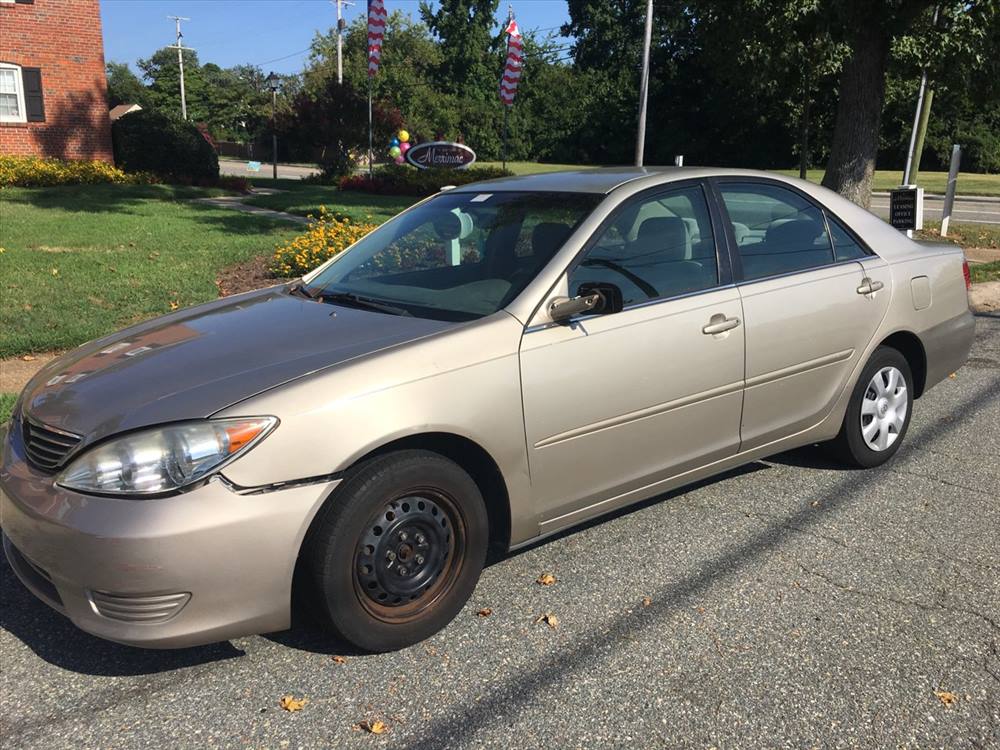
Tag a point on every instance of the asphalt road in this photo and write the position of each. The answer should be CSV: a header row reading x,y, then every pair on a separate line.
x,y
791,604
965,210
285,171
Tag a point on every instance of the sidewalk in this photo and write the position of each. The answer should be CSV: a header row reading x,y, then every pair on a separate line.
x,y
235,203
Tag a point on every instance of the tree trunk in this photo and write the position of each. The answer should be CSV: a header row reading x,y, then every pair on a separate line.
x,y
859,114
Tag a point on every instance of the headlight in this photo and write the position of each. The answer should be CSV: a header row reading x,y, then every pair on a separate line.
x,y
163,459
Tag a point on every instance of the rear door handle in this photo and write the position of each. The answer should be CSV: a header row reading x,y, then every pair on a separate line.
x,y
869,286
719,323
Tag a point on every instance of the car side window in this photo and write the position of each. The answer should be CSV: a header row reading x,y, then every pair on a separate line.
x,y
845,247
777,231
655,247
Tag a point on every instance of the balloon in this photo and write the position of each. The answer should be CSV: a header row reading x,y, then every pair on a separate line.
x,y
403,136
400,159
394,152
404,147
394,142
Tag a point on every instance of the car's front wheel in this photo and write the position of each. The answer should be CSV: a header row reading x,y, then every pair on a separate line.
x,y
398,549
878,413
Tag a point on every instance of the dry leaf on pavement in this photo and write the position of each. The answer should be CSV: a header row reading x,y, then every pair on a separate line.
x,y
485,612
338,659
546,579
28,358
646,601
291,703
549,619
373,727
946,697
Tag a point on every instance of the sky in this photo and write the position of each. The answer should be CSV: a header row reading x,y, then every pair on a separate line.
x,y
274,34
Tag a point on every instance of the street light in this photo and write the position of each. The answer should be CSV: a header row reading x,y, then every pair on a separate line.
x,y
273,83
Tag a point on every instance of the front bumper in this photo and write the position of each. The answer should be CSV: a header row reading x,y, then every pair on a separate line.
x,y
199,567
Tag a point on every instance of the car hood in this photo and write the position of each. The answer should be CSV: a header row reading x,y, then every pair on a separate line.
x,y
192,363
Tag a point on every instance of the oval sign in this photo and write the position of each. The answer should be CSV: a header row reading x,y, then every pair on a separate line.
x,y
440,155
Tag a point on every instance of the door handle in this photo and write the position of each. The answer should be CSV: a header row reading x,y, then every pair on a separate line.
x,y
719,323
869,286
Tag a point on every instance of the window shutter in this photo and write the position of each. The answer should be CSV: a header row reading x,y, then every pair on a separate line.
x,y
34,102
25,2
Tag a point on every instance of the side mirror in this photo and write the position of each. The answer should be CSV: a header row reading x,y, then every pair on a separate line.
x,y
611,295
563,309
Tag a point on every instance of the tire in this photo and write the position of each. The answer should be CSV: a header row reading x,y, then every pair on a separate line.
x,y
877,417
397,550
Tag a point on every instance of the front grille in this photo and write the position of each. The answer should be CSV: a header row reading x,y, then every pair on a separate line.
x,y
147,609
47,448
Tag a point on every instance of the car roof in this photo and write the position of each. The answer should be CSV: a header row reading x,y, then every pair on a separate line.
x,y
603,180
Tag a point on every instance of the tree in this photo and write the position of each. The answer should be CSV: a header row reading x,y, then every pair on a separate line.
x,y
124,86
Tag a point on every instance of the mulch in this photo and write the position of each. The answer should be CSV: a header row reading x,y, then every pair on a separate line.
x,y
245,277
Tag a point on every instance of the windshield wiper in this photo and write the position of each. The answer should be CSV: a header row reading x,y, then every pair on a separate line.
x,y
356,300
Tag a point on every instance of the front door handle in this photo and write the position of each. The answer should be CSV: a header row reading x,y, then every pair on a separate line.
x,y
869,286
719,323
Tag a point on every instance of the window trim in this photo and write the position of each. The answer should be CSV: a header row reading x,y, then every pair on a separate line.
x,y
739,277
725,271
21,108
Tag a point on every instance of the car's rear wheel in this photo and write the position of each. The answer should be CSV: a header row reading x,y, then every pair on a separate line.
x,y
878,413
398,549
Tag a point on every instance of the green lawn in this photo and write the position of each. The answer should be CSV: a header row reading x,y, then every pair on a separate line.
x,y
80,262
6,405
965,235
306,199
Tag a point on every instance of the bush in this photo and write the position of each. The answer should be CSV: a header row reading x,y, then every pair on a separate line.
x,y
326,236
151,141
32,171
397,179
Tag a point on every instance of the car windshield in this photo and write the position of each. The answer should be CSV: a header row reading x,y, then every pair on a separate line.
x,y
457,256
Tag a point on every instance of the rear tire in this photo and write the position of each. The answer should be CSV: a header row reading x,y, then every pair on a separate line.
x,y
398,550
878,413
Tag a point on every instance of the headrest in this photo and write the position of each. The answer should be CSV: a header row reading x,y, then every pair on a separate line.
x,y
548,237
796,234
667,236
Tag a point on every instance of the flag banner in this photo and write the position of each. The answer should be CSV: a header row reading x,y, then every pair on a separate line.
x,y
512,70
376,30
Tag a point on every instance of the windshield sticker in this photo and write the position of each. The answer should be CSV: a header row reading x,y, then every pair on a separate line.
x,y
481,198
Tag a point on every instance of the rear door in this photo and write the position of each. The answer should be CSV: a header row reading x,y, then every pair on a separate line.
x,y
808,316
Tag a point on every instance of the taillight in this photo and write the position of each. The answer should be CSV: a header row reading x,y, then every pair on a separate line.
x,y
967,275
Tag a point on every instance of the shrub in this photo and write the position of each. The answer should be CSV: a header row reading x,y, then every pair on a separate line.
x,y
398,179
326,236
32,171
151,141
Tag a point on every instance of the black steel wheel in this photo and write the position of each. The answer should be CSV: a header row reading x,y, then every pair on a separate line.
x,y
397,550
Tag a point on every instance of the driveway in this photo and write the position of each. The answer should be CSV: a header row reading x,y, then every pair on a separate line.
x,y
790,604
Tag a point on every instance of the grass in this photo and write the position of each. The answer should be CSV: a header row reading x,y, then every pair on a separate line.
x,y
965,235
80,262
306,199
6,405
981,272
932,182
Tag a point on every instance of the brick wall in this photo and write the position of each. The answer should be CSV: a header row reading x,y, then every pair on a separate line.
x,y
63,39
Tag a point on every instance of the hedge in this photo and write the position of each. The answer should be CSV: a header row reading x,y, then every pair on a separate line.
x,y
151,141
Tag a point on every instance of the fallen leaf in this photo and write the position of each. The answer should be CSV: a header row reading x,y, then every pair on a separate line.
x,y
174,305
952,376
546,579
338,659
485,612
549,619
29,358
373,727
55,271
646,601
946,697
290,703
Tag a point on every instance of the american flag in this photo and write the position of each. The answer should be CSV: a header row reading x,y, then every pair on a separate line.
x,y
376,30
512,70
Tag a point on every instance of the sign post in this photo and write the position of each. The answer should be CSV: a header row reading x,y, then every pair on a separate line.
x,y
949,193
906,208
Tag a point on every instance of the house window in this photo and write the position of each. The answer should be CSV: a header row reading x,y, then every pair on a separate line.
x,y
11,94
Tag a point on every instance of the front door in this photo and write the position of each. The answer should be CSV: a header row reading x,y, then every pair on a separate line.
x,y
616,403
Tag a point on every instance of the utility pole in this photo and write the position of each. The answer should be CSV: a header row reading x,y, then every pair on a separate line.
x,y
341,25
640,137
179,46
924,99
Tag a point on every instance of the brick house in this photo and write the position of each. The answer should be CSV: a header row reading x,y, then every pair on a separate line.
x,y
53,90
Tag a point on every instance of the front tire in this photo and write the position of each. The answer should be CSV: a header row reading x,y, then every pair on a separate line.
x,y
398,550
878,413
